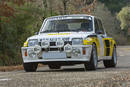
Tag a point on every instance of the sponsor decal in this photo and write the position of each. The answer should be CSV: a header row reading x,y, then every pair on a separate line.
x,y
55,39
60,34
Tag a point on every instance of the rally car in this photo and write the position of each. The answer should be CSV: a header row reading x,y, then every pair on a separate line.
x,y
69,40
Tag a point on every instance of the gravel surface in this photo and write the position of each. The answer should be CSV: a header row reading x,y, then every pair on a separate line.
x,y
73,76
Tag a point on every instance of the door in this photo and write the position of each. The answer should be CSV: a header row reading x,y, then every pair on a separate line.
x,y
101,44
100,34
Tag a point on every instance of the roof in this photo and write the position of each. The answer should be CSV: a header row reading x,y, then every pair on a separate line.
x,y
73,15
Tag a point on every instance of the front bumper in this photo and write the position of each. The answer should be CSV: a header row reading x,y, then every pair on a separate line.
x,y
57,56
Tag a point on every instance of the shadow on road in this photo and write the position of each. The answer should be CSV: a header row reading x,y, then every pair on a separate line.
x,y
100,69
70,70
64,70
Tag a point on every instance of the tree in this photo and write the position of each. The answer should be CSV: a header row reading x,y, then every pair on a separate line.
x,y
64,4
114,5
81,6
124,17
111,24
25,21
6,10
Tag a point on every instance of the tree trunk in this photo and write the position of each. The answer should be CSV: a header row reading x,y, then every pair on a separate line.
x,y
45,7
0,25
65,4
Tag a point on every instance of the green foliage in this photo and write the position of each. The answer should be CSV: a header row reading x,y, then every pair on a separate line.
x,y
15,29
124,17
25,22
114,5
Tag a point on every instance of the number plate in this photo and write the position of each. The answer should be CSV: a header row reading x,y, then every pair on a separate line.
x,y
54,55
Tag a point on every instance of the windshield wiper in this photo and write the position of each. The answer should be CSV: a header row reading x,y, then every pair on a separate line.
x,y
63,31
47,31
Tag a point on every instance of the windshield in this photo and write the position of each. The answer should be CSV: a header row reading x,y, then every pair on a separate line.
x,y
68,25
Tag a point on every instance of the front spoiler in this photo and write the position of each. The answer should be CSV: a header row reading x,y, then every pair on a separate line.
x,y
82,58
57,60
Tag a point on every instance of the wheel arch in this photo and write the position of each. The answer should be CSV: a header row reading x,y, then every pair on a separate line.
x,y
115,45
96,42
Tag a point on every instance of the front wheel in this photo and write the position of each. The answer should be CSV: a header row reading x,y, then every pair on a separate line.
x,y
92,64
30,67
113,61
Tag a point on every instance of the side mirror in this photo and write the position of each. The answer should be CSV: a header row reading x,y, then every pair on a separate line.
x,y
99,32
36,33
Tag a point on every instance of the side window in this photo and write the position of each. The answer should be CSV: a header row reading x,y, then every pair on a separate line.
x,y
100,26
96,25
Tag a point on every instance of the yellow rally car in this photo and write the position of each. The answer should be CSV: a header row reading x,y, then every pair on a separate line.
x,y
68,40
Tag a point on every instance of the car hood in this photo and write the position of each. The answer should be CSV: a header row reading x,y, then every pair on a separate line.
x,y
70,35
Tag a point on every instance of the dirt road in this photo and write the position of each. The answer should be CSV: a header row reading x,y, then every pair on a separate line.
x,y
73,76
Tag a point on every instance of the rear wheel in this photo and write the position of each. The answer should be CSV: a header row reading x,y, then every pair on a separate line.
x,y
113,61
54,66
30,67
92,64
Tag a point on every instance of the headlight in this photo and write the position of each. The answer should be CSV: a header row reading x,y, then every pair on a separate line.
x,y
76,51
60,43
37,49
77,41
32,42
45,44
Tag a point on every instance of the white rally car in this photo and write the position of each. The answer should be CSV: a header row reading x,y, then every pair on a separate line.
x,y
68,40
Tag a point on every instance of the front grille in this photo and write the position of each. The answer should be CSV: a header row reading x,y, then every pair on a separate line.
x,y
68,42
39,43
52,43
56,49
53,49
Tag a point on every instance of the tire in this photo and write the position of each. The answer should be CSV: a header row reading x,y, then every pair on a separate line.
x,y
30,67
113,62
93,63
53,66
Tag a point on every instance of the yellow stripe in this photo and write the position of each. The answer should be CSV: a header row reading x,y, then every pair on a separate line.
x,y
60,34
